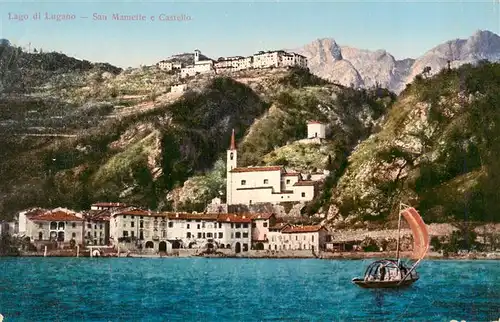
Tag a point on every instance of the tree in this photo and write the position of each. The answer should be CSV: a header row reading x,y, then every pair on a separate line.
x,y
426,71
5,42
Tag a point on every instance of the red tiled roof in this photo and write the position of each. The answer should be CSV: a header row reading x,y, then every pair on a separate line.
x,y
258,169
35,212
98,215
56,216
109,204
234,218
305,183
190,216
292,174
233,142
262,216
303,229
279,226
135,212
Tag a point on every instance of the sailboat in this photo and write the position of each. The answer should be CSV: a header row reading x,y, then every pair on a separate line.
x,y
393,273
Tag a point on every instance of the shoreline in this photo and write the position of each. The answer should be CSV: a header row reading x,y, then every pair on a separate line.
x,y
281,255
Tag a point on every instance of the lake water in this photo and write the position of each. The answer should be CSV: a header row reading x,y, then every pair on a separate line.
x,y
200,289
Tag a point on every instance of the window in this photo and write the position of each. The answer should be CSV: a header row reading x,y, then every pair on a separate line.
x,y
125,233
131,224
312,237
188,234
209,235
199,235
232,225
124,216
73,235
303,194
231,156
243,182
73,225
266,181
245,225
238,226
100,226
245,235
187,226
142,217
95,233
220,235
238,235
95,226
88,234
141,224
202,225
40,225
220,225
132,233
198,226
170,224
287,181
204,235
132,217
264,224
89,226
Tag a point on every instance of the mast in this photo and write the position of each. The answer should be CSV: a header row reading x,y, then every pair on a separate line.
x,y
399,233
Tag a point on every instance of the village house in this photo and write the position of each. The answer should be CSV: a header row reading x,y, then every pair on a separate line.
x,y
165,65
107,205
97,227
269,59
225,231
178,89
142,228
287,237
260,229
60,225
271,184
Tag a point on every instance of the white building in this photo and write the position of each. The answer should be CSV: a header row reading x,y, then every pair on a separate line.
x,y
226,231
287,237
61,225
107,205
165,65
232,64
263,184
178,89
315,129
278,58
199,67
23,216
139,227
96,227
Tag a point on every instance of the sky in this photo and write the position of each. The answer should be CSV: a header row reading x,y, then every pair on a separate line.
x,y
228,28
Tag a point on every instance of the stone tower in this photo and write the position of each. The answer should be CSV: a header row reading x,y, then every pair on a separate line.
x,y
231,163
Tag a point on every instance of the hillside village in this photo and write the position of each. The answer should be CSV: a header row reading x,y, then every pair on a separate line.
x,y
238,136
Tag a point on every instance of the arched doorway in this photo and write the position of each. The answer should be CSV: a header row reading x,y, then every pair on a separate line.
x,y
259,246
60,236
176,244
237,247
150,244
228,246
162,247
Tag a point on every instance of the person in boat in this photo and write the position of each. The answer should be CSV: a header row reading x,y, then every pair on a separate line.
x,y
382,272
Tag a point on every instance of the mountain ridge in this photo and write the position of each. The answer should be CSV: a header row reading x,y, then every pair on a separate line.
x,y
372,68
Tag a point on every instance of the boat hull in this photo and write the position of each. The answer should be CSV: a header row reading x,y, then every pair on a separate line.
x,y
383,284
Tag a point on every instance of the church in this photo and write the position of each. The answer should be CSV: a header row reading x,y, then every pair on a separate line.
x,y
269,184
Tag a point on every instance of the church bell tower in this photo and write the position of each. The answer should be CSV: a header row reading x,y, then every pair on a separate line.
x,y
231,164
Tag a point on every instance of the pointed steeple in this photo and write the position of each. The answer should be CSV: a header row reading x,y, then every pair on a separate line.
x,y
233,142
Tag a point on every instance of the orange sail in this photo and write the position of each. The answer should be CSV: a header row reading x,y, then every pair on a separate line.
x,y
418,228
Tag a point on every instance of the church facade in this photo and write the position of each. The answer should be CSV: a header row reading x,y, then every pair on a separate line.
x,y
274,184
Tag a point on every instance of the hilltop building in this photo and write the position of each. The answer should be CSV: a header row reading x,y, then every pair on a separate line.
x,y
262,59
264,184
315,129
